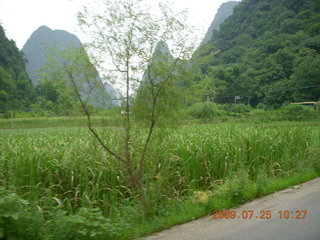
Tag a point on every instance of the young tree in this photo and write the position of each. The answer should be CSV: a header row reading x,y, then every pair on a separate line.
x,y
125,36
131,46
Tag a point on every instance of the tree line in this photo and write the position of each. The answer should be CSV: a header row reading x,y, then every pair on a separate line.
x,y
16,90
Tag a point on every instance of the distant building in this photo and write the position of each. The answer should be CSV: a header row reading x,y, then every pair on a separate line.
x,y
310,103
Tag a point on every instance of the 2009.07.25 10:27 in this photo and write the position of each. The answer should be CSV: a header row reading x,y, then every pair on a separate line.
x,y
263,214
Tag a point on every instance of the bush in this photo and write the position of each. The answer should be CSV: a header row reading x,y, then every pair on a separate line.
x,y
297,112
9,114
85,224
262,106
206,110
18,220
240,108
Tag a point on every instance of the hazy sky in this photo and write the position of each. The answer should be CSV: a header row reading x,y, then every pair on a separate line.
x,y
22,17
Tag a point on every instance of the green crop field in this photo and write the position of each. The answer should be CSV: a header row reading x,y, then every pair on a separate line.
x,y
58,183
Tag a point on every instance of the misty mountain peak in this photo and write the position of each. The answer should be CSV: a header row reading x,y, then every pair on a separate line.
x,y
37,46
224,11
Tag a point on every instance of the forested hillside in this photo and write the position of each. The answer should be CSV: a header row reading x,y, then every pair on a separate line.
x,y
15,85
266,52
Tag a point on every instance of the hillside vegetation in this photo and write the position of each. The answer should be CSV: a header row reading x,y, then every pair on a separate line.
x,y
266,52
15,86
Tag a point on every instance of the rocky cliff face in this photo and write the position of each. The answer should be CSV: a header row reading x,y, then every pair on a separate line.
x,y
160,56
40,45
224,11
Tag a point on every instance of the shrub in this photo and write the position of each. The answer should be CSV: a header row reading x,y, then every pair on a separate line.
x,y
85,224
262,106
240,108
297,112
207,110
18,220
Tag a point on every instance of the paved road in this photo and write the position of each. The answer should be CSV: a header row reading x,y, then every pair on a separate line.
x,y
300,197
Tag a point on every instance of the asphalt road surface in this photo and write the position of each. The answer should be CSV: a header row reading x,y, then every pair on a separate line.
x,y
289,224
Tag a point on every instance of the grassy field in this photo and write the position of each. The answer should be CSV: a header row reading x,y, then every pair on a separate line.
x,y
49,122
290,114
57,183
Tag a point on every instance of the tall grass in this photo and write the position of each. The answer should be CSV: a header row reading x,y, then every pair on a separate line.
x,y
66,168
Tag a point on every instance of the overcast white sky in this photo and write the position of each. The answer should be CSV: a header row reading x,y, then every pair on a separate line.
x,y
20,18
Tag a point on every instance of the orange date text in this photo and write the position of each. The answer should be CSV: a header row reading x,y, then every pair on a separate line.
x,y
263,214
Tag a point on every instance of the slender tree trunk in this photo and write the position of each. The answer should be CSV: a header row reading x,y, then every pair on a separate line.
x,y
136,179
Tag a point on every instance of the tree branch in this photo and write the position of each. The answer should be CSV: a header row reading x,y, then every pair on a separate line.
x,y
86,111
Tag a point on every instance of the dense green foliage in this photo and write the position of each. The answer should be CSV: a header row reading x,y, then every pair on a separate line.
x,y
59,183
266,52
212,112
15,86
53,96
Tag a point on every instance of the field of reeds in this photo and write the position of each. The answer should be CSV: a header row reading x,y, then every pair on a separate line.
x,y
58,183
